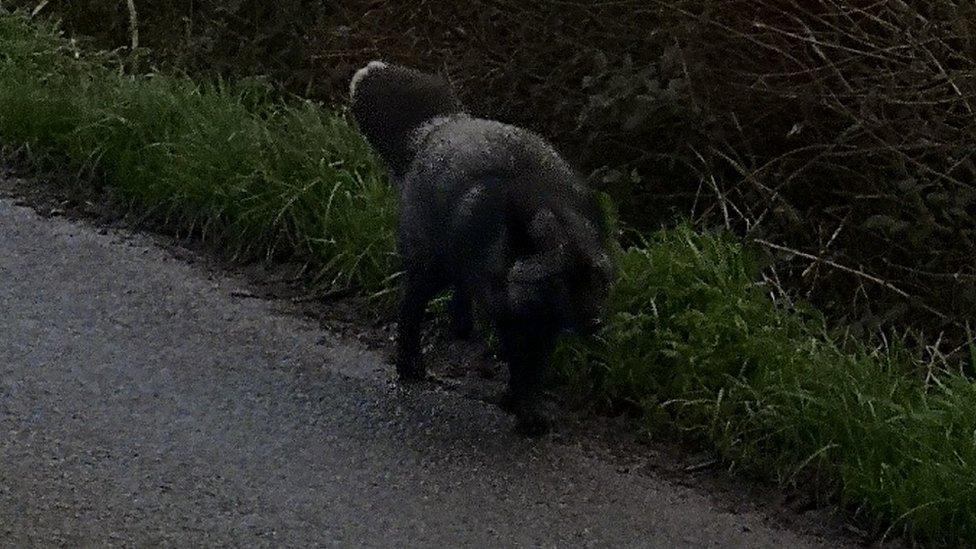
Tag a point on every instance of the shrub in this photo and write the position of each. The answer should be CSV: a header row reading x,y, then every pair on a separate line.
x,y
845,131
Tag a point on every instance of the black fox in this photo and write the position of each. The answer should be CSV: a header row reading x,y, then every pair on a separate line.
x,y
491,211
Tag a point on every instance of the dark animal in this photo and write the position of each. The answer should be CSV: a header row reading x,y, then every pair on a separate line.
x,y
492,211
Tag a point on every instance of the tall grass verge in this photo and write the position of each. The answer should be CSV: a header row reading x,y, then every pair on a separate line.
x,y
260,177
692,340
695,344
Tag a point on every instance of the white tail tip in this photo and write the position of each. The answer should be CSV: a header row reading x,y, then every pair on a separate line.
x,y
361,74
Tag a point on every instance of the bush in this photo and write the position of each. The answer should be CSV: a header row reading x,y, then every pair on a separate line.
x,y
845,131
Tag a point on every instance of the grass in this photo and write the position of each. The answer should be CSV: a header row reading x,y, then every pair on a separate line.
x,y
691,341
695,344
258,177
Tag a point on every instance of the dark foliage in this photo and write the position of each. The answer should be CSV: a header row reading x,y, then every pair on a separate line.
x,y
843,140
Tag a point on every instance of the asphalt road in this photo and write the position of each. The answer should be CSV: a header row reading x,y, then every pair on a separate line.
x,y
142,403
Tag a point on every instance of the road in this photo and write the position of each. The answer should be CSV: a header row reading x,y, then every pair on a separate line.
x,y
143,402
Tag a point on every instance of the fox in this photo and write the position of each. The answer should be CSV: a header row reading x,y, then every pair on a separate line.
x,y
493,212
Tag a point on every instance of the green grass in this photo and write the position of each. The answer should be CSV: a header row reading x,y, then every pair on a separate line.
x,y
695,344
691,341
260,178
